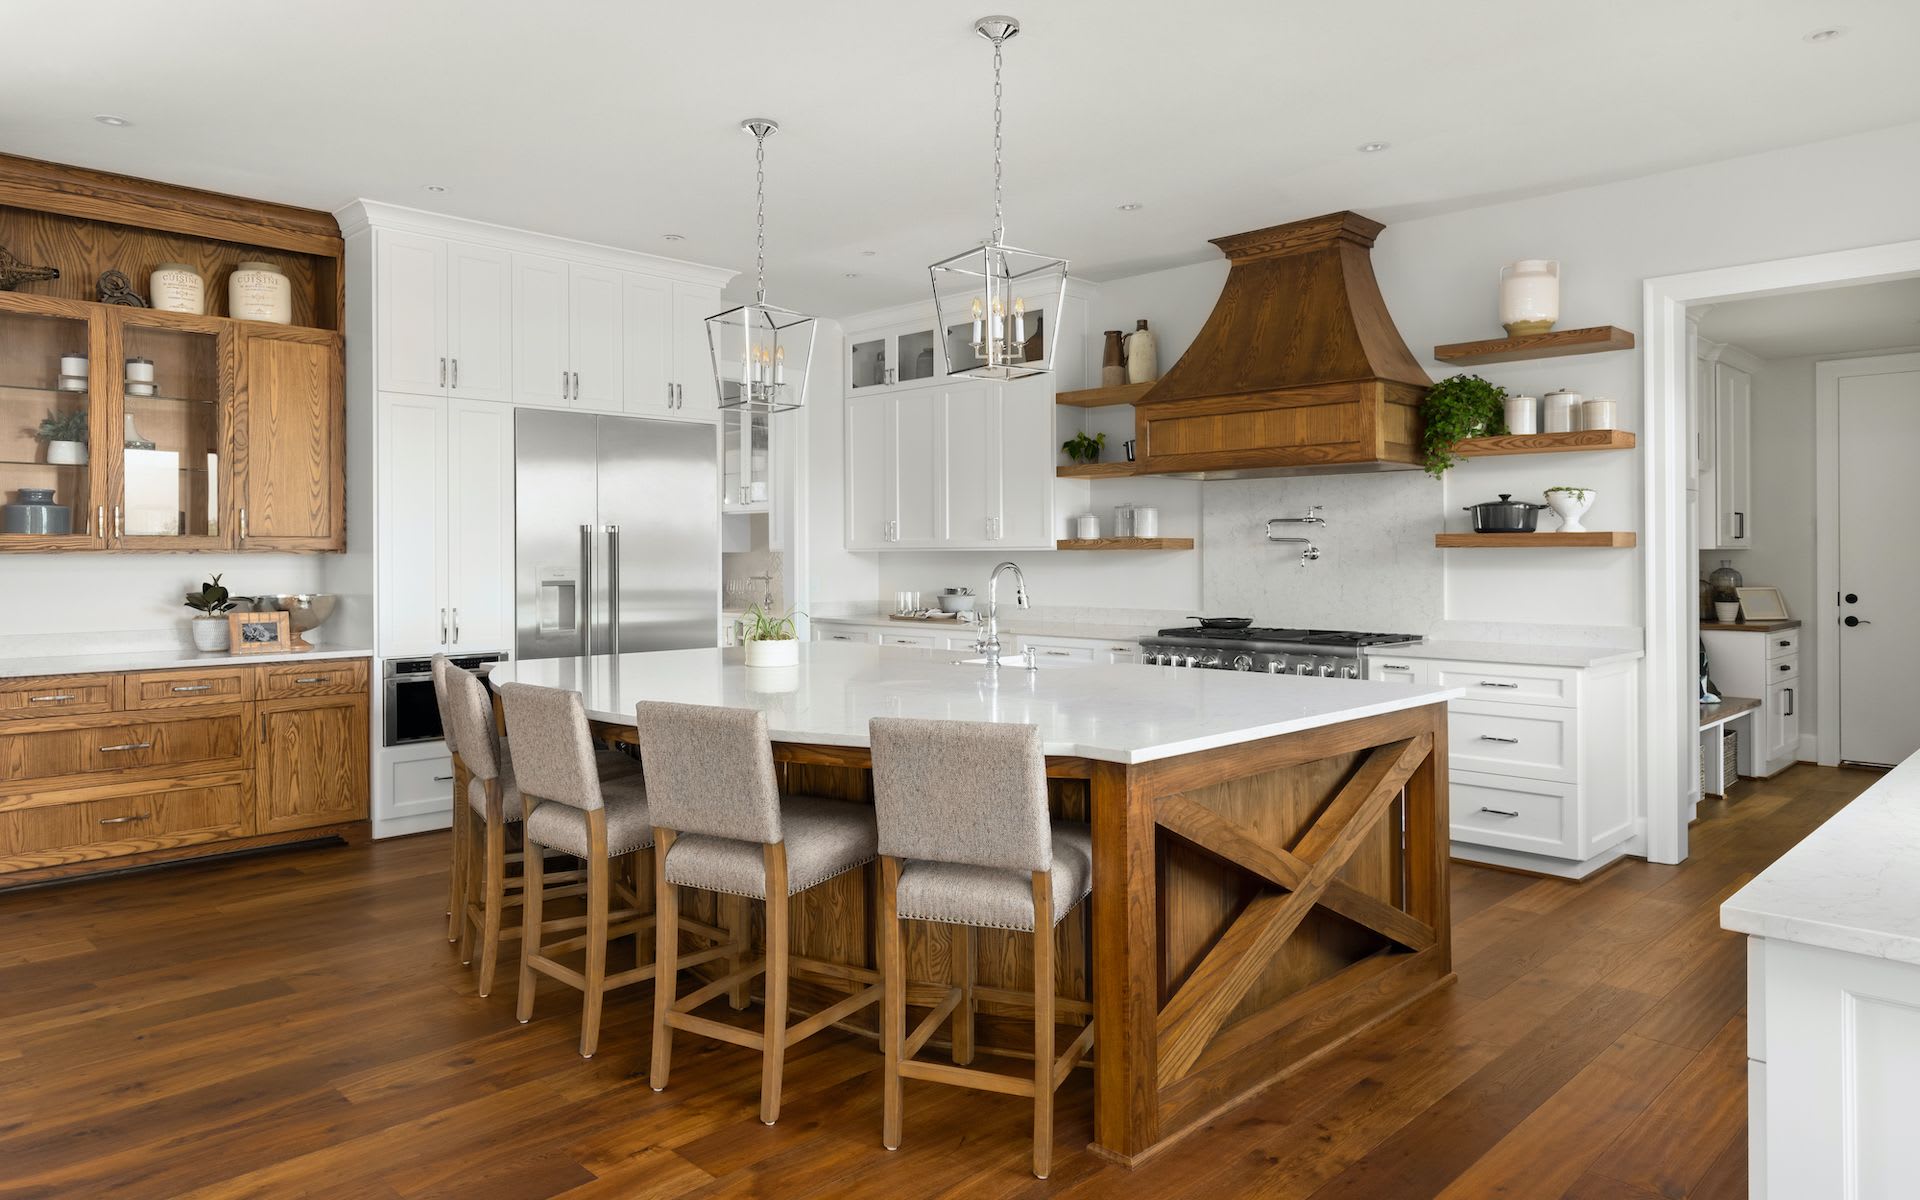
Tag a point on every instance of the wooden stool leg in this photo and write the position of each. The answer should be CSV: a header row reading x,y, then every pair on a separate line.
x,y
642,883
599,882
456,883
963,1013
666,959
737,916
530,917
1042,1023
495,898
893,1002
773,1051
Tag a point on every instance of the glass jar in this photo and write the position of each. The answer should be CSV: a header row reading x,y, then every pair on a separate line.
x,y
1123,520
1725,582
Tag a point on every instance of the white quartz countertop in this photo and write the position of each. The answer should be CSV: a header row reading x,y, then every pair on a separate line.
x,y
1538,654
155,660
1852,885
1119,713
1009,624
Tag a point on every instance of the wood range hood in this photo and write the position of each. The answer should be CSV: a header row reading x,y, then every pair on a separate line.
x,y
1298,371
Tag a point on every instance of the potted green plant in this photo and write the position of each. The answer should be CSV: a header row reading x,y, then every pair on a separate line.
x,y
1455,409
1083,449
770,641
1570,504
66,437
212,602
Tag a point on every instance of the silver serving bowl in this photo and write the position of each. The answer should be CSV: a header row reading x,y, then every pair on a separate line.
x,y
306,610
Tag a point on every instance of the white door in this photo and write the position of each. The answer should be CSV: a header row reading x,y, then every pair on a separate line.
x,y
411,299
413,524
692,358
594,337
972,438
1733,458
479,322
540,331
1879,423
1028,453
480,524
917,468
646,320
869,466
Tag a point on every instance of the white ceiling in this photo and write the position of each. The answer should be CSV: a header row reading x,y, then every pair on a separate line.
x,y
1844,320
616,121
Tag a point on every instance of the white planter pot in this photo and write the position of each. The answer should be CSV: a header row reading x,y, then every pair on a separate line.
x,y
774,654
1570,507
67,454
209,633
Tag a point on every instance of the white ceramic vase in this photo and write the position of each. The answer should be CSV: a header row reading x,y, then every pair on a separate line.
x,y
209,633
66,454
176,287
1570,507
783,653
1529,295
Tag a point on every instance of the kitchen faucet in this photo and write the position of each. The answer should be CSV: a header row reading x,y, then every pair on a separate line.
x,y
989,643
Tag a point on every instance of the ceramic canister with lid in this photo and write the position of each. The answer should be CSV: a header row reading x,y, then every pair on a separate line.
x,y
1597,413
176,287
1560,411
1088,527
259,292
1523,414
1146,521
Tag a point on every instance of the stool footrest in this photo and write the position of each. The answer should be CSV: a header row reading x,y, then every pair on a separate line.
x,y
719,1030
832,1013
701,995
925,1029
967,1077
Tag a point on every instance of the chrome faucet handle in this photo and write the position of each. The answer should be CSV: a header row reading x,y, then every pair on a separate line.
x,y
1033,661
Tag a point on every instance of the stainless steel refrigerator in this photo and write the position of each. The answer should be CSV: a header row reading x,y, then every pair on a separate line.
x,y
617,535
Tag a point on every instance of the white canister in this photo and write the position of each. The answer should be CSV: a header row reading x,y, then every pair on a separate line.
x,y
257,292
1523,414
140,370
1087,527
1597,413
176,287
73,366
1560,411
1529,295
1146,521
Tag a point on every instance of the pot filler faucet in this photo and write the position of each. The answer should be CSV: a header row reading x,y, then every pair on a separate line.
x,y
989,643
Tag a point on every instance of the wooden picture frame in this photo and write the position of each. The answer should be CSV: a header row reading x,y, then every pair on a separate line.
x,y
260,632
1762,604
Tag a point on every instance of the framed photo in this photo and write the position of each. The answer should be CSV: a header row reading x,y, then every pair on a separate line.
x,y
1762,603
260,632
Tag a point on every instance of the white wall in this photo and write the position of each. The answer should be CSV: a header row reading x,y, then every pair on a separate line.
x,y
121,593
823,575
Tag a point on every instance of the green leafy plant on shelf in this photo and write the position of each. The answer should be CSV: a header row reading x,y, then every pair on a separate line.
x,y
1455,409
1083,449
1578,493
759,625
211,600
64,427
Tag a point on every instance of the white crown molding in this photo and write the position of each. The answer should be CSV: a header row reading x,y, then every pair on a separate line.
x,y
363,214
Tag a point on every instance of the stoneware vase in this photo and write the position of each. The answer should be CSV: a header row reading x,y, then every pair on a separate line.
x,y
257,291
1113,359
1143,355
1570,507
782,653
1529,296
209,633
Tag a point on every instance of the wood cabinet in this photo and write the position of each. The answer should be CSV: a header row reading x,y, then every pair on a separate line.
x,y
179,762
289,447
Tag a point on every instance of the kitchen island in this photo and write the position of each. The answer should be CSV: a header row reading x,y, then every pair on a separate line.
x,y
1269,853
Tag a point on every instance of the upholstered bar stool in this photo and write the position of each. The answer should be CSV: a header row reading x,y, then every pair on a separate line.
x,y
571,805
965,839
722,825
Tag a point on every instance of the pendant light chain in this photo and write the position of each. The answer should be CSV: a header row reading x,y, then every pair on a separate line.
x,y
999,216
760,216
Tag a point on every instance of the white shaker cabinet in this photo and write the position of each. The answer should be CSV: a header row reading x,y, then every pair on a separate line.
x,y
480,524
1763,666
479,322
915,446
567,335
693,384
869,472
595,353
444,309
668,367
1724,440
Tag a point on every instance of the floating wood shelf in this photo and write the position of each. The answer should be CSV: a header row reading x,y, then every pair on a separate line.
x,y
1516,541
1126,393
1555,343
1099,470
1125,544
1545,443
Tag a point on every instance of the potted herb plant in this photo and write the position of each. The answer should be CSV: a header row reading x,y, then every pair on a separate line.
x,y
1083,449
1455,409
66,437
770,641
210,627
1570,504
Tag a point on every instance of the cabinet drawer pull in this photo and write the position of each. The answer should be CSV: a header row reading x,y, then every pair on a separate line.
x,y
192,687
126,820
312,679
1786,666
126,746
443,779
1395,667
1058,653
1489,737
1499,812
1491,683
1783,643
61,698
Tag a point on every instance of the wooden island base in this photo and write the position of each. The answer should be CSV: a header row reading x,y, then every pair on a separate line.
x,y
1253,907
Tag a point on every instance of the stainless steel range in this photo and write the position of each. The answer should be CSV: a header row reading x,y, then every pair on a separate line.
x,y
1320,653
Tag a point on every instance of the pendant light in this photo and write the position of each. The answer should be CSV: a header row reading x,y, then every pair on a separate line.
x,y
993,300
761,352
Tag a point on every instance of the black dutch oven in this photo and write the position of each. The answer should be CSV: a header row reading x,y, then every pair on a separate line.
x,y
1505,515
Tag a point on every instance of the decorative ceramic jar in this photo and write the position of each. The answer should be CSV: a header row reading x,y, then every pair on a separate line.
x,y
67,454
1143,357
1570,504
1560,411
210,633
1529,296
1113,359
1523,414
1597,413
176,287
1087,527
1146,521
258,292
35,512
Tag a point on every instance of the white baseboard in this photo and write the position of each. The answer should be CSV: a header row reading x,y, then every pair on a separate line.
x,y
1537,864
402,826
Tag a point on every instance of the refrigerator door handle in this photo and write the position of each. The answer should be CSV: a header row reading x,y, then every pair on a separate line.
x,y
613,589
586,590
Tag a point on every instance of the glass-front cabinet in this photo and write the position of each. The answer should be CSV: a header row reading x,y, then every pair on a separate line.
x,y
51,423
171,488
746,484
884,358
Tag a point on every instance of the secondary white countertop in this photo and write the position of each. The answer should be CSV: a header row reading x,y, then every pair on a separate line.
x,y
1009,624
1120,713
1853,884
1538,654
155,660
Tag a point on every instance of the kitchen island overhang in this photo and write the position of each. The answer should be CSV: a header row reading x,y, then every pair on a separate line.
x,y
1270,854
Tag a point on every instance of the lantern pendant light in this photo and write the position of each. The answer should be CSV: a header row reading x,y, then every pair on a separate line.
x,y
761,352
994,299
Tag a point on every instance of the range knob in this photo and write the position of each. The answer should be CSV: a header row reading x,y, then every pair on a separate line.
x,y
1302,668
1243,662
1212,659
1347,672
1326,670
1190,660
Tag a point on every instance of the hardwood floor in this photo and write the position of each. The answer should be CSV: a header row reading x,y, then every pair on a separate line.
x,y
296,1024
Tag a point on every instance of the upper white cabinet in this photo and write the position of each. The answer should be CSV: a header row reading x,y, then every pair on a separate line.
x,y
1724,442
567,333
903,354
444,309
648,338
595,333
693,385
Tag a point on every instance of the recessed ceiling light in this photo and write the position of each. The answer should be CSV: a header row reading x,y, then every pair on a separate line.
x,y
868,253
110,119
1130,206
1372,147
1824,35
434,187
852,275
674,237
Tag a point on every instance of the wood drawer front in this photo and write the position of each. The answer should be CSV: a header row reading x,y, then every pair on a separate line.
x,y
183,689
1536,816
61,833
58,695
1783,642
329,677
1505,683
212,740
1534,741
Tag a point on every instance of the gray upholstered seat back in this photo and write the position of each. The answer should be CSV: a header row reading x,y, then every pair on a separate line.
x,y
447,730
709,770
971,792
556,760
472,728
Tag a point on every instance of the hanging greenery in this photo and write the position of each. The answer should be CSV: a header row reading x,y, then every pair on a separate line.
x,y
1455,409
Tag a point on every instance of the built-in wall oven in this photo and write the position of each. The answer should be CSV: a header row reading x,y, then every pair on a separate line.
x,y
411,713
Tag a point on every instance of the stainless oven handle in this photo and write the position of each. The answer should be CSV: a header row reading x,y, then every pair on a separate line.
x,y
586,589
